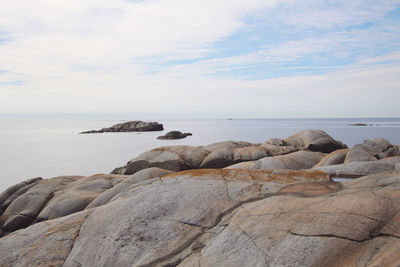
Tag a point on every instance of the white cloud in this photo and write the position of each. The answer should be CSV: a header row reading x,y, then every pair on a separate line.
x,y
97,56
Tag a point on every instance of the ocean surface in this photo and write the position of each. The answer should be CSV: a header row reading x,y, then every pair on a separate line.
x,y
49,148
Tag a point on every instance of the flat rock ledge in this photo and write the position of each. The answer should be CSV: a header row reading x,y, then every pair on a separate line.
x,y
130,126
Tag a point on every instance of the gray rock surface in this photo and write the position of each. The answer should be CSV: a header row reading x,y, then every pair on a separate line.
x,y
295,161
15,191
225,218
130,126
314,140
138,177
173,158
358,169
333,158
24,209
371,150
223,154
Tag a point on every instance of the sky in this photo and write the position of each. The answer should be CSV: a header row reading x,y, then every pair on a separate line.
x,y
201,59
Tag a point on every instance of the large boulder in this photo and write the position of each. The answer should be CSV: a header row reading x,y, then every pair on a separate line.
x,y
371,150
223,157
149,222
173,158
47,199
138,177
225,218
295,161
23,210
130,126
358,169
357,226
15,191
77,195
314,140
333,158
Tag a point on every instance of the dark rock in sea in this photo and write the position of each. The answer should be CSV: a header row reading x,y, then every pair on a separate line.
x,y
130,126
174,135
360,124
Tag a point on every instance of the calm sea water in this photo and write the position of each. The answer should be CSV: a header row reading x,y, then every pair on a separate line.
x,y
49,148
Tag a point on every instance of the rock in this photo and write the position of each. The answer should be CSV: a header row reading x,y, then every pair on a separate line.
x,y
42,244
227,145
24,209
130,126
360,124
225,218
248,165
359,169
77,195
274,150
173,158
173,135
138,177
223,154
15,191
224,157
152,222
314,140
295,161
371,150
335,157
356,226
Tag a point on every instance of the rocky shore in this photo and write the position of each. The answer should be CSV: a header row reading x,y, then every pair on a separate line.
x,y
225,204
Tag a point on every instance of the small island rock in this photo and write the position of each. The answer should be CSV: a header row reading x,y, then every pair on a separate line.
x,y
130,126
174,135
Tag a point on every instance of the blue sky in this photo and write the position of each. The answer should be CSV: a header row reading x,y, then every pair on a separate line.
x,y
186,59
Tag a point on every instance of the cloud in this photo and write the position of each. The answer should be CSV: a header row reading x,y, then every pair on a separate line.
x,y
158,55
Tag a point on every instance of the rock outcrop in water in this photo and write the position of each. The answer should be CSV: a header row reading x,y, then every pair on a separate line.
x,y
130,126
173,135
253,213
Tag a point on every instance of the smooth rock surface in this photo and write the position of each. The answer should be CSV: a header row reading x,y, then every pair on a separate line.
x,y
225,218
314,140
153,220
371,150
138,177
295,161
358,169
333,158
173,158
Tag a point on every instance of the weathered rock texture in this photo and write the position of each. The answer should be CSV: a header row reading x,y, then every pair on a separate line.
x,y
130,126
371,150
300,160
225,218
174,135
223,154
358,169
336,157
256,212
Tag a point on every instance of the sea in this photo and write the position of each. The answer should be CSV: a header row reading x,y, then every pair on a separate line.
x,y
53,147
